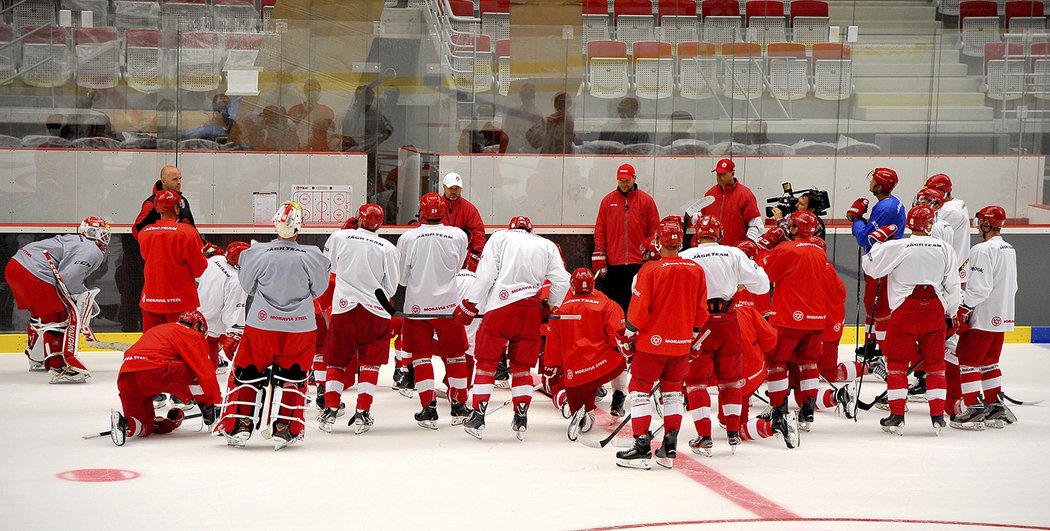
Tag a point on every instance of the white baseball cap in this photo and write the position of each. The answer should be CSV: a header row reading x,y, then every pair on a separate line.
x,y
452,179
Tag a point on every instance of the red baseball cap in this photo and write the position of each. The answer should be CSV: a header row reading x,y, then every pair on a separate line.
x,y
625,171
724,166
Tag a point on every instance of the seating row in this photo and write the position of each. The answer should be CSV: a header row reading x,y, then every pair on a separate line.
x,y
237,16
1012,70
979,23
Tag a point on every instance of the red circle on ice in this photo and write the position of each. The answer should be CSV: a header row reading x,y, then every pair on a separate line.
x,y
96,475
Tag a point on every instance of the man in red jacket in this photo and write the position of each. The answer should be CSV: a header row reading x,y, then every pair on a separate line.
x,y
462,214
170,358
735,206
627,216
585,351
173,256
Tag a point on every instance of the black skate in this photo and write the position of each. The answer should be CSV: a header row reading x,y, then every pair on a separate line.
x,y
242,431
877,366
502,376
601,392
326,419
702,445
638,456
871,348
361,421
893,424
734,439
405,381
618,399
520,422
282,436
428,417
668,449
938,424
917,390
998,415
118,428
972,418
160,401
581,422
805,414
459,413
475,423
846,399
785,422
319,401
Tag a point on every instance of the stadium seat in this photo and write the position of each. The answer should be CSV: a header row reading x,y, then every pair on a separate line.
x,y
653,70
595,21
948,7
9,55
644,149
743,70
607,69
45,57
461,17
1040,87
235,16
95,142
98,57
634,22
267,15
1025,17
809,21
10,142
200,61
135,14
99,11
979,25
689,146
721,21
32,13
185,15
503,66
832,71
45,141
765,21
698,72
601,147
198,144
242,49
678,21
146,62
788,70
495,19
471,59
1004,71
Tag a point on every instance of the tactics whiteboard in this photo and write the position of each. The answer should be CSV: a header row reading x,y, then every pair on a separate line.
x,y
323,205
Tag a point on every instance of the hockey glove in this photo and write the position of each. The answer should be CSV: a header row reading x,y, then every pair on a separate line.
x,y
229,343
169,423
465,313
771,239
857,210
882,235
962,319
598,264
209,414
626,342
210,250
949,326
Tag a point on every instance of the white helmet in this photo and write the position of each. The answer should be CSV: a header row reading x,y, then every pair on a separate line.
x,y
288,219
97,230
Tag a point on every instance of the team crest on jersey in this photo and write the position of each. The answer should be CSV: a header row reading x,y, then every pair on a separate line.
x,y
416,308
569,374
343,303
656,340
996,321
262,315
503,294
797,315
838,327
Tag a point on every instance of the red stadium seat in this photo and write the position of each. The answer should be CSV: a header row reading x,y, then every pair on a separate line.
x,y
808,8
719,8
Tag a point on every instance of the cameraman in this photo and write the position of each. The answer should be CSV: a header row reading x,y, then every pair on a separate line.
x,y
808,201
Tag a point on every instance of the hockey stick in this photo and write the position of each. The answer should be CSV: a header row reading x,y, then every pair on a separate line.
x,y
867,406
384,301
867,333
108,432
1006,397
605,442
507,402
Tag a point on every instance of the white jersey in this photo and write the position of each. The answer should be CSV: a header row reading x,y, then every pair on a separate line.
x,y
221,296
956,214
431,255
991,284
464,279
916,261
941,230
726,268
362,262
283,278
513,266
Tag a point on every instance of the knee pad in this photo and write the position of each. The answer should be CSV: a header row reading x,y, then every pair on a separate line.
x,y
251,376
294,375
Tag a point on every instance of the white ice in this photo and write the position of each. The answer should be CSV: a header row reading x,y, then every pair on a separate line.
x,y
399,475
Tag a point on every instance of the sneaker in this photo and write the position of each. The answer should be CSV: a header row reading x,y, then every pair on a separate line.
x,y
999,415
326,419
846,399
459,413
618,399
520,422
428,416
282,436
118,428
972,418
475,423
893,424
637,456
242,431
702,445
668,449
938,424
361,421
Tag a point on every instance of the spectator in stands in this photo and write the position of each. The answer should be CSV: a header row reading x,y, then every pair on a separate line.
x,y
627,131
517,121
735,206
170,179
310,116
323,137
482,136
681,121
554,134
218,125
386,197
87,122
365,128
275,132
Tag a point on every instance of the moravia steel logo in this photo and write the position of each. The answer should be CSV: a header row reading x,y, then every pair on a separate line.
x,y
416,308
656,340
262,315
343,303
996,321
838,327
503,295
797,315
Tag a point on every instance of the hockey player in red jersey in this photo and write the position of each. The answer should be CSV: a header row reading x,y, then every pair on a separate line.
x,y
923,286
168,358
986,314
667,310
52,335
282,278
172,252
359,335
725,269
513,267
585,352
222,303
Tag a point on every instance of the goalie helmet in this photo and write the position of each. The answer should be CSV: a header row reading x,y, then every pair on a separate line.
x,y
669,233
940,182
707,227
195,320
288,219
992,215
582,281
233,252
166,201
97,230
805,222
920,218
884,177
370,216
520,222
431,207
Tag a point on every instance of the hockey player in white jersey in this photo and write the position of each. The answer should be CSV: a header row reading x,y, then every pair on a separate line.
x,y
953,210
942,230
359,334
56,314
986,314
464,279
222,303
513,267
923,288
282,278
431,256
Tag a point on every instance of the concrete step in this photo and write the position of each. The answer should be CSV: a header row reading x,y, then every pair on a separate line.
x,y
918,99
904,53
865,12
906,113
862,69
871,28
914,84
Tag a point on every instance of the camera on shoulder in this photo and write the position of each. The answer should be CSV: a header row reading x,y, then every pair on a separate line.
x,y
819,201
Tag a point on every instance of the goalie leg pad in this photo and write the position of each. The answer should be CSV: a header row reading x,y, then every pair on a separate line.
x,y
244,400
289,398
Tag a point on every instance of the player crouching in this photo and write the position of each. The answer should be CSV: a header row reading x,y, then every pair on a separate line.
x,y
169,358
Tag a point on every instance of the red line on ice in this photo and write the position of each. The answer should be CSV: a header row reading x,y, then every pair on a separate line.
x,y
799,519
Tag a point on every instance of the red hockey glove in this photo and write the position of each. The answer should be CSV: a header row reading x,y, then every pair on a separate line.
x,y
210,249
598,264
962,319
626,342
859,208
169,423
698,341
882,235
465,313
949,326
771,238
229,343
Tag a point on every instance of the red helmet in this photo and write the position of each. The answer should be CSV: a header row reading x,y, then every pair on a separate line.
x,y
233,252
669,233
97,230
992,215
431,207
932,195
920,218
884,177
166,201
707,227
805,222
582,281
471,263
370,216
195,320
940,182
650,249
520,222
749,247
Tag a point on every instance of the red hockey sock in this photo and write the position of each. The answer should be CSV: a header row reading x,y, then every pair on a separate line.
x,y
991,383
935,392
521,388
482,389
809,380
953,385
333,389
700,408
755,429
729,403
897,390
366,386
970,382
849,371
319,369
424,372
457,378
777,384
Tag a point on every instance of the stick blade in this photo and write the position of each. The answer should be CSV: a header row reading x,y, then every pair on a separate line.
x,y
590,443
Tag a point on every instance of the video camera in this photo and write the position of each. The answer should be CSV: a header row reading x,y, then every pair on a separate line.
x,y
786,203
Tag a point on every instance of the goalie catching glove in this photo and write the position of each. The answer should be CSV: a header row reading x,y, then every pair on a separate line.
x,y
465,313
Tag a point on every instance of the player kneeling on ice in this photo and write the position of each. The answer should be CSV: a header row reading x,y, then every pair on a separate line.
x,y
923,287
47,278
585,352
667,310
169,358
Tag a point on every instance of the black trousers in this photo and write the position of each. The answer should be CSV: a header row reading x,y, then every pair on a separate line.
x,y
617,283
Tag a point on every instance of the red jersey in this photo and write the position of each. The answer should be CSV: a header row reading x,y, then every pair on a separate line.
x,y
734,207
668,302
796,267
756,338
835,291
624,222
172,341
462,214
586,348
173,256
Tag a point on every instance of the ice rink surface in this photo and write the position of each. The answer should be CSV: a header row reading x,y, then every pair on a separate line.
x,y
844,475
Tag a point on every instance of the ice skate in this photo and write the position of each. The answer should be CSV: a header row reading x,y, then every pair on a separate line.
x,y
160,401
733,437
326,419
428,416
520,422
36,366
565,413
118,428
873,350
846,399
893,424
618,399
702,445
282,436
805,414
998,415
177,403
785,422
459,413
242,431
70,374
361,421
883,403
668,450
502,376
475,423
224,366
581,422
972,418
405,381
601,392
877,366
938,424
917,390
319,398
638,456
